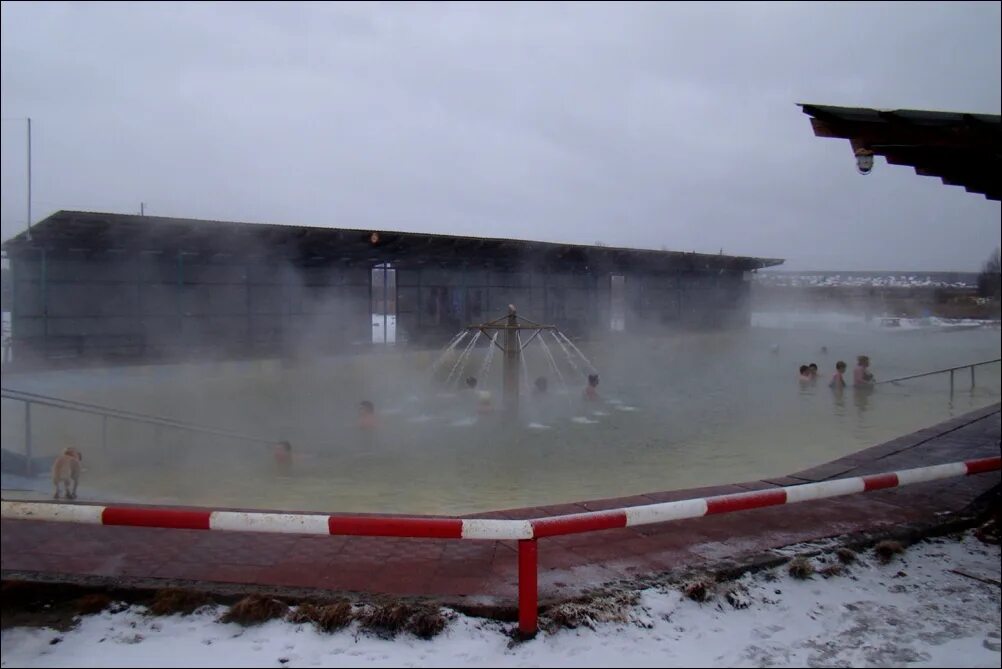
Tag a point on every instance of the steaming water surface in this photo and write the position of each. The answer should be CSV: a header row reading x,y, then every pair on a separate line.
x,y
675,412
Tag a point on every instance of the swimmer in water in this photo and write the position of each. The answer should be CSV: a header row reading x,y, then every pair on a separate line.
x,y
861,376
283,455
367,415
485,404
591,390
838,381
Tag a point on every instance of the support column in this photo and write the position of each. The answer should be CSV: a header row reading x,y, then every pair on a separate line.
x,y
511,367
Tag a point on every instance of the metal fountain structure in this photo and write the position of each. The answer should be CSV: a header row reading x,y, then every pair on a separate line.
x,y
505,334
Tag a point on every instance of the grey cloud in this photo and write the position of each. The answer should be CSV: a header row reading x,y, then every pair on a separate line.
x,y
632,124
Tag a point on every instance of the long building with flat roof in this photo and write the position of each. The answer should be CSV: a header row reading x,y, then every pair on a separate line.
x,y
91,286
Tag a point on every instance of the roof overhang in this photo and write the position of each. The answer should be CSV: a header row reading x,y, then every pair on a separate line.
x,y
960,149
92,233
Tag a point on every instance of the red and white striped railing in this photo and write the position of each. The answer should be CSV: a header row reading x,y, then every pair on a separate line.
x,y
526,532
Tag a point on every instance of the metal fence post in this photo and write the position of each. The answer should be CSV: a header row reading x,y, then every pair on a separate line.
x,y
951,383
528,592
972,377
158,444
27,439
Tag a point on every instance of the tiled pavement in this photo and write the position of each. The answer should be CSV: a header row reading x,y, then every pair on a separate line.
x,y
487,570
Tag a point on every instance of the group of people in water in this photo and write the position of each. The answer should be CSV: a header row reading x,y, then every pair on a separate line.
x,y
367,421
540,387
861,376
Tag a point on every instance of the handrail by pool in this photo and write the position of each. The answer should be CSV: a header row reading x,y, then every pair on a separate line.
x,y
951,371
30,398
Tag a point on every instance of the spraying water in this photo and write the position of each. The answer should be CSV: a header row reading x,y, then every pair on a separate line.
x,y
448,352
461,360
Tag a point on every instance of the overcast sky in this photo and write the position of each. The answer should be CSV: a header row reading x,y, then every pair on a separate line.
x,y
647,125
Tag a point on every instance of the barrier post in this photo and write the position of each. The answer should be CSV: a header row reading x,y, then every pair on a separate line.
x,y
951,383
528,593
972,377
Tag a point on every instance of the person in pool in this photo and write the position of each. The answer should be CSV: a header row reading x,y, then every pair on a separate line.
x,y
367,415
861,376
591,390
838,381
805,375
282,452
540,386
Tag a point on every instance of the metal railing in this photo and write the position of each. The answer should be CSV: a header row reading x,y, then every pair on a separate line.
x,y
950,370
106,413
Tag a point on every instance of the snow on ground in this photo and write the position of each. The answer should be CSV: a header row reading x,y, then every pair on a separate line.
x,y
809,319
911,612
869,279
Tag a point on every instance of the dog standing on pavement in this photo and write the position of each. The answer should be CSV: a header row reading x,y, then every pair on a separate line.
x,y
66,470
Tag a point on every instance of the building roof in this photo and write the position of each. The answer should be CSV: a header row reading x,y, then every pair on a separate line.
x,y
961,149
93,232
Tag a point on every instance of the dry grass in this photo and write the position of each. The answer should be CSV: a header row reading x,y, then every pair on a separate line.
x,y
989,532
834,569
427,623
589,610
171,600
327,617
255,609
887,549
737,596
93,603
699,589
386,618
846,555
801,568
306,612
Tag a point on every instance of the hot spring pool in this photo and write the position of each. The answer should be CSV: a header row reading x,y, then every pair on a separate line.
x,y
674,412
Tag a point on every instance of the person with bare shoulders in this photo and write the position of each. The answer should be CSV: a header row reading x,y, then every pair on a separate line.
x,y
367,415
283,456
838,380
861,376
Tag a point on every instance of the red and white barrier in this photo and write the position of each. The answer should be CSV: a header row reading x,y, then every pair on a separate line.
x,y
283,523
526,532
705,506
481,528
